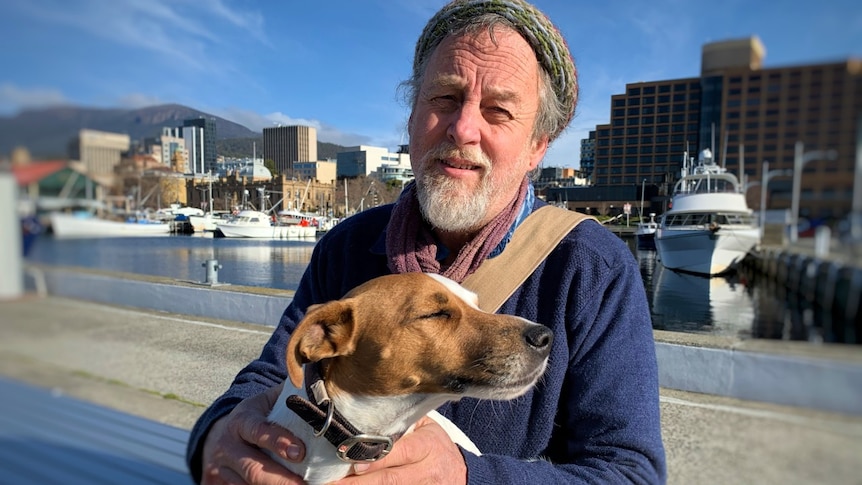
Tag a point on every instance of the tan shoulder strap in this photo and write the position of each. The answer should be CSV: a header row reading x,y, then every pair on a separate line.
x,y
532,242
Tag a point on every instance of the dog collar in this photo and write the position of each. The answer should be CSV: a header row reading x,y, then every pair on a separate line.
x,y
351,445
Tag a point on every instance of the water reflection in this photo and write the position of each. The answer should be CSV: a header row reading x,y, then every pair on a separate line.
x,y
268,263
737,305
720,305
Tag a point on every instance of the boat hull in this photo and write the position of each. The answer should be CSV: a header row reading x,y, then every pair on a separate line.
x,y
205,223
271,232
65,225
704,251
646,240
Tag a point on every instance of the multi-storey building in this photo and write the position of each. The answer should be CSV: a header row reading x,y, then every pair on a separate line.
x,y
588,155
200,140
364,160
172,148
286,145
746,114
651,125
229,192
322,170
99,152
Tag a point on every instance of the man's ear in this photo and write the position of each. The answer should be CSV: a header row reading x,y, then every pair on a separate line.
x,y
538,148
327,331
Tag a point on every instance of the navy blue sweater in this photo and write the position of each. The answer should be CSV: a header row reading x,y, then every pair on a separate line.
x,y
592,418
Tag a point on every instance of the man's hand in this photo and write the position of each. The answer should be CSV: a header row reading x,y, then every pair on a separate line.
x,y
233,449
424,456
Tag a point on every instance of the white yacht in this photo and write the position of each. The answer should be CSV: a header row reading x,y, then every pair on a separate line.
x,y
302,224
260,225
87,225
645,232
709,227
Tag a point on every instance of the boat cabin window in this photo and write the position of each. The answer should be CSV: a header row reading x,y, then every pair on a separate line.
x,y
711,185
703,219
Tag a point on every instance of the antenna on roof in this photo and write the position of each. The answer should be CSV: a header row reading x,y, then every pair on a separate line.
x,y
712,138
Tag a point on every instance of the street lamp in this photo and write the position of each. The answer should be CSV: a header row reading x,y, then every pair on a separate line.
x,y
766,175
856,210
799,160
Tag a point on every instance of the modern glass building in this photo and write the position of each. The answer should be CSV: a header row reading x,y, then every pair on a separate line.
x,y
200,137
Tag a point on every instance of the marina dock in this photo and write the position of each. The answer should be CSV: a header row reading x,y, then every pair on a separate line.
x,y
733,411
818,275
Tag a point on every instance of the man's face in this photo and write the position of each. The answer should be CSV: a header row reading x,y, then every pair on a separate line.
x,y
471,129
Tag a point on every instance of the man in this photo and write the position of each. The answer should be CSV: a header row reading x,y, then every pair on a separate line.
x,y
493,84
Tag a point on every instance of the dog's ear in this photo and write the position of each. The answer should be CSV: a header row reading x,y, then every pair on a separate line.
x,y
327,331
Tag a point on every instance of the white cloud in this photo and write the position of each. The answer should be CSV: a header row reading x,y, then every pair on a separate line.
x,y
181,33
325,132
138,100
280,119
14,98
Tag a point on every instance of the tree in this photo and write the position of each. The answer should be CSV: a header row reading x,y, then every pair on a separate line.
x,y
270,165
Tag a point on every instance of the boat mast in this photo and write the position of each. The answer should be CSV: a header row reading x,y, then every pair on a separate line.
x,y
346,207
210,179
304,194
643,186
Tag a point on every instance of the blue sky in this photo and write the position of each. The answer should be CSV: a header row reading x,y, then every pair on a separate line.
x,y
336,65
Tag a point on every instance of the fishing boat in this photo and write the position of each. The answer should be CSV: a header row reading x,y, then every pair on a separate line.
x,y
304,225
645,232
260,225
206,222
709,227
68,225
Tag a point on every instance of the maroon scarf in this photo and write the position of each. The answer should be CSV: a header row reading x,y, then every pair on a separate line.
x,y
411,246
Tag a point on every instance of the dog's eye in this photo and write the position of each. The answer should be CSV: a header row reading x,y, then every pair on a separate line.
x,y
439,314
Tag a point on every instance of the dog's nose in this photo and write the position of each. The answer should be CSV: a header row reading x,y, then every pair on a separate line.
x,y
538,337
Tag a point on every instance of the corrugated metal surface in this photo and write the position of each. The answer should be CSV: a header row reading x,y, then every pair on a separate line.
x,y
47,438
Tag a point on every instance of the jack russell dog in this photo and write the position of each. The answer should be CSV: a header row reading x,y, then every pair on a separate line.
x,y
366,367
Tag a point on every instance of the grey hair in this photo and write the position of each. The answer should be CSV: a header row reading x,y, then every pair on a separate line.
x,y
551,118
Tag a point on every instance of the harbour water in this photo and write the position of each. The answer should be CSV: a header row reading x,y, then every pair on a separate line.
x,y
727,306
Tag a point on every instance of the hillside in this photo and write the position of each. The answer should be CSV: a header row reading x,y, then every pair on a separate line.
x,y
47,132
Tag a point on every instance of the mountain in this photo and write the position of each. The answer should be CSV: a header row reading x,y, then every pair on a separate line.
x,y
46,132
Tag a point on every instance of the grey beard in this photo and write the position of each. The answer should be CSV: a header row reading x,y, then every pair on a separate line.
x,y
447,209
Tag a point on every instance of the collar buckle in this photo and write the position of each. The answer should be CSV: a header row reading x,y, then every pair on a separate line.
x,y
361,444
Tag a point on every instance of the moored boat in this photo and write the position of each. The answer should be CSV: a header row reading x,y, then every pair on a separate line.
x,y
259,225
86,225
709,227
302,224
645,233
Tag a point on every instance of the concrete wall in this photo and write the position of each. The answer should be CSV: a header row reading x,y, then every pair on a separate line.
x,y
800,374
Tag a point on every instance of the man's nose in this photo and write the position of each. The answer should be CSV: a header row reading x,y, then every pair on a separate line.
x,y
465,125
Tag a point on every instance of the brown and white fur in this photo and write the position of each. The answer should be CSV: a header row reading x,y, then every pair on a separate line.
x,y
397,347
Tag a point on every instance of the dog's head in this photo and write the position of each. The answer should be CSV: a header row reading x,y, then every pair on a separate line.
x,y
418,333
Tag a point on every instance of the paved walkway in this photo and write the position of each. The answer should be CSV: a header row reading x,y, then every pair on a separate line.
x,y
167,367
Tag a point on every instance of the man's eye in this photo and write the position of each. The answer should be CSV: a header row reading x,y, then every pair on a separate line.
x,y
445,101
498,112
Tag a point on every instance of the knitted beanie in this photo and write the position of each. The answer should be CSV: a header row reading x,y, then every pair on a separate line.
x,y
547,42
